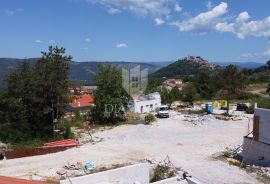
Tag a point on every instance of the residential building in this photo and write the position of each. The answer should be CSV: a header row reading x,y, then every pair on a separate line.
x,y
146,103
81,102
174,83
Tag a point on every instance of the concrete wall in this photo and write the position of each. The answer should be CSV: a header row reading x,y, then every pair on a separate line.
x,y
174,180
193,181
125,175
264,124
257,153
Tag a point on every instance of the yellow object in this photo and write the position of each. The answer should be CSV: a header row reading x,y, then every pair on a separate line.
x,y
233,161
223,103
215,104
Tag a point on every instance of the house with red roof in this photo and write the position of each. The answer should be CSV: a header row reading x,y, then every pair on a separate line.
x,y
82,103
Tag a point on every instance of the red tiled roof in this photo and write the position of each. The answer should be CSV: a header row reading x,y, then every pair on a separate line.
x,y
82,101
9,180
173,85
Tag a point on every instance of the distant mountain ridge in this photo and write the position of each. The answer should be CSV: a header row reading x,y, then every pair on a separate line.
x,y
80,72
83,72
242,65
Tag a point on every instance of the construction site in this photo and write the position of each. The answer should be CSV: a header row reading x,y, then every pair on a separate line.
x,y
184,148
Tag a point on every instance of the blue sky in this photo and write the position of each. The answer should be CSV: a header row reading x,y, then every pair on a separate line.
x,y
137,30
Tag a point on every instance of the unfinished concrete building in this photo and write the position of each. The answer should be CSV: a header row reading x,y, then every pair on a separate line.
x,y
256,146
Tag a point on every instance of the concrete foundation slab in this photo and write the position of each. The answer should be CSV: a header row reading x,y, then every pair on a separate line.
x,y
138,173
174,180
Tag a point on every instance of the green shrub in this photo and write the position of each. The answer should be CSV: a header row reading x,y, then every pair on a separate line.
x,y
250,110
162,172
77,115
199,112
149,118
68,134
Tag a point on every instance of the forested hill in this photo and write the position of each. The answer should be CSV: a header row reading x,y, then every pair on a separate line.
x,y
187,66
80,72
84,71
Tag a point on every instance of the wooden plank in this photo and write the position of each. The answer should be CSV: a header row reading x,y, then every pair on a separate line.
x,y
10,180
256,127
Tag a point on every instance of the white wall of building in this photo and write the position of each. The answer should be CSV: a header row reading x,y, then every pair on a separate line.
x,y
147,105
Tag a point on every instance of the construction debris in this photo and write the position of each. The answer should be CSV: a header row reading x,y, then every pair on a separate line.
x,y
76,169
227,118
75,166
231,156
198,119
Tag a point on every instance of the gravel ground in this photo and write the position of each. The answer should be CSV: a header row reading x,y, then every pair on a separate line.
x,y
188,146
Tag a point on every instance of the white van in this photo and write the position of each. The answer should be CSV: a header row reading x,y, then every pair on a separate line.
x,y
163,111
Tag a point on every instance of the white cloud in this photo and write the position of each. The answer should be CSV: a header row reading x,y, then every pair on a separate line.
x,y
267,52
225,27
242,27
113,11
139,7
268,42
177,7
247,55
252,55
242,17
88,40
9,12
260,55
38,41
159,21
203,22
209,5
52,42
121,45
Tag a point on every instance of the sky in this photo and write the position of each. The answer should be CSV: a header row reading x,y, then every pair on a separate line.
x,y
137,30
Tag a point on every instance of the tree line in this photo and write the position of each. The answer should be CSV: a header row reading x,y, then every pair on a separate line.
x,y
227,83
36,96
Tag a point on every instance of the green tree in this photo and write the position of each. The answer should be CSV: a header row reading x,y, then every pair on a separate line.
x,y
36,96
175,94
268,64
165,95
20,102
111,100
52,88
232,82
206,85
154,84
3,107
190,93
